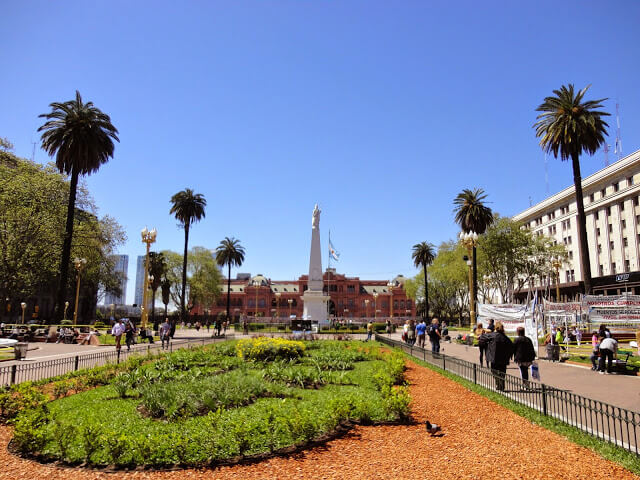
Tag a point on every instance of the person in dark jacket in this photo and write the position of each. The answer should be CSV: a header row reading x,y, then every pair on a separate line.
x,y
499,351
523,354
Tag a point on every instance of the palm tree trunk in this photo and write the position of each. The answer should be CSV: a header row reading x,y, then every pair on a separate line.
x,y
183,313
426,292
582,226
153,308
475,281
165,310
66,247
228,291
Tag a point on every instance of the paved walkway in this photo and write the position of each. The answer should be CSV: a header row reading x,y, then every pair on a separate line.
x,y
619,390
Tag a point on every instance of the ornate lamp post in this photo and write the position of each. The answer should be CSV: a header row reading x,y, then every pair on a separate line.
x,y
148,237
66,305
556,263
390,285
24,306
375,305
278,294
366,307
470,240
290,302
79,263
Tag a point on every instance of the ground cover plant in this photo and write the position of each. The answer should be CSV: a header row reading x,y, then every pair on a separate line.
x,y
214,404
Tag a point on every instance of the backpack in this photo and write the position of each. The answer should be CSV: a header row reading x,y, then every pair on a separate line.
x,y
433,330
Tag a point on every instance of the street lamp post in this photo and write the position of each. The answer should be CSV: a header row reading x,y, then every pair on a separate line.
x,y
375,305
66,305
290,302
470,240
278,294
556,263
148,237
79,264
366,308
113,308
390,285
24,306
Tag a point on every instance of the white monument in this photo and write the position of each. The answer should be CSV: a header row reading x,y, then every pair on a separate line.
x,y
315,301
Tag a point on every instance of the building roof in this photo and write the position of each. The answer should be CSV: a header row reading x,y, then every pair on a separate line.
x,y
284,287
371,289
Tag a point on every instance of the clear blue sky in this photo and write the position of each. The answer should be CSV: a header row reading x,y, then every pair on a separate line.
x,y
379,111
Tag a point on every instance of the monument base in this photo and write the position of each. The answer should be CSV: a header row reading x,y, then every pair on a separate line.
x,y
315,307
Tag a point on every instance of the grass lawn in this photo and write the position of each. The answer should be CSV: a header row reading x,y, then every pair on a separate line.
x,y
217,403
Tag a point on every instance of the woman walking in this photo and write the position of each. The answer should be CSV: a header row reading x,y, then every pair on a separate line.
x,y
482,346
523,354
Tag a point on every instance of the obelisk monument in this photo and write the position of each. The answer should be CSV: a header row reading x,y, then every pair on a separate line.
x,y
315,301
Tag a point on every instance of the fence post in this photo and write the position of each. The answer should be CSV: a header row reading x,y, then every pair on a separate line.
x,y
475,374
544,399
203,341
118,357
171,347
75,364
14,369
444,362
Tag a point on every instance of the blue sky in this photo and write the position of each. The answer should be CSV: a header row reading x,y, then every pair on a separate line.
x,y
379,111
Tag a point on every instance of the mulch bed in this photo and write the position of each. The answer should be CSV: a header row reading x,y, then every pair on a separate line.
x,y
481,440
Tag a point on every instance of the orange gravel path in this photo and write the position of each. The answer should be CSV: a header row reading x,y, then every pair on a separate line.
x,y
481,440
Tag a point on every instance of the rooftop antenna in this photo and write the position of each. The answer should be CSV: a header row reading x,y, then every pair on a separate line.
x,y
618,149
606,155
546,172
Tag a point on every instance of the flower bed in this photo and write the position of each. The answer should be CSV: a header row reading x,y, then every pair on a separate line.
x,y
215,404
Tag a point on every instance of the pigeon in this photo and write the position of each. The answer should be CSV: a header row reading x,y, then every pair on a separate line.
x,y
432,428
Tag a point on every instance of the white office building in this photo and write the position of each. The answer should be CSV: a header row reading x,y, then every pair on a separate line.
x,y
122,267
612,211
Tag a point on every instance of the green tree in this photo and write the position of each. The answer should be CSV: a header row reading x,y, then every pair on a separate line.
x,y
423,255
229,253
204,277
81,138
157,267
472,215
188,207
449,282
569,126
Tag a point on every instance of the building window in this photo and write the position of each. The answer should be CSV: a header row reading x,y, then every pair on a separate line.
x,y
622,207
570,254
629,181
599,270
351,289
624,224
573,276
610,228
613,267
596,215
636,202
351,302
603,193
408,303
592,198
597,232
599,248
569,239
564,210
616,186
551,215
627,266
611,246
625,242
609,211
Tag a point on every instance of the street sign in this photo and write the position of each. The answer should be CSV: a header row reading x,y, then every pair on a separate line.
x,y
623,277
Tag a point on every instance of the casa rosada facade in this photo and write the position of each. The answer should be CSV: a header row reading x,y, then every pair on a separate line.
x,y
350,297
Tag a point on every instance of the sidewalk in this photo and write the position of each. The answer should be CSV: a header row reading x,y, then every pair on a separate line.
x,y
618,390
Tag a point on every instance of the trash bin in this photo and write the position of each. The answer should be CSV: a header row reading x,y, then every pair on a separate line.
x,y
20,350
553,352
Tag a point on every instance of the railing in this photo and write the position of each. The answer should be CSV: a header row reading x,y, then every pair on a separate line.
x,y
33,371
612,424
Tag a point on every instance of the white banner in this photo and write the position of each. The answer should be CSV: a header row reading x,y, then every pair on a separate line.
x,y
617,310
512,316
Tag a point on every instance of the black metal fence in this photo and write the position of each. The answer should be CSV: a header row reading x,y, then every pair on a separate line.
x,y
612,424
32,371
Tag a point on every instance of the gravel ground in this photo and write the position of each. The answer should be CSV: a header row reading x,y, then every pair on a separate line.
x,y
481,440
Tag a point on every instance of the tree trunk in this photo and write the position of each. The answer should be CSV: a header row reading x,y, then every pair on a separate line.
x,y
475,282
582,226
183,312
426,293
153,308
228,291
66,248
165,310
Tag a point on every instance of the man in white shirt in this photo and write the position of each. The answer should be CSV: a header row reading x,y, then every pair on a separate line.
x,y
165,330
117,331
608,347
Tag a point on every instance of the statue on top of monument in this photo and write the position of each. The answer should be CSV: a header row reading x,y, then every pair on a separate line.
x,y
315,219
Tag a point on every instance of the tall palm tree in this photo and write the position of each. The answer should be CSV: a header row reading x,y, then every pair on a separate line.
x,y
228,253
570,126
81,138
424,254
188,208
473,216
157,268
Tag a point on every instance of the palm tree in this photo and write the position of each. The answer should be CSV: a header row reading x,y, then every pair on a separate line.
x,y
569,126
81,137
188,208
473,216
228,253
424,254
157,268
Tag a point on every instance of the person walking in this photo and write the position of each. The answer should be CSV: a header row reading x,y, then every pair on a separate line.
x,y
130,331
117,331
595,343
388,327
405,332
411,333
369,331
435,336
499,351
491,327
421,330
482,346
523,354
165,333
608,348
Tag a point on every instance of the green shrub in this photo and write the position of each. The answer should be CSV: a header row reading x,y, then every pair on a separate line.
x,y
24,396
64,435
89,434
30,433
269,349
